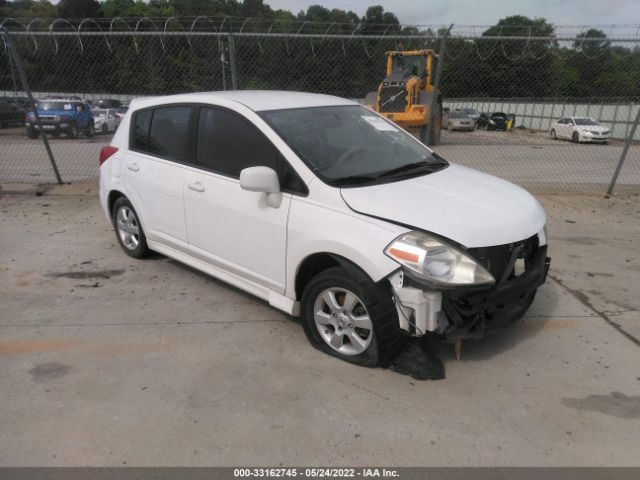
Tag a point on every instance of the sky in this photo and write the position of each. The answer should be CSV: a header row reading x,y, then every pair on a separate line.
x,y
486,12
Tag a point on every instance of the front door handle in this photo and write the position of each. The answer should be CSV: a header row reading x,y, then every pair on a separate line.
x,y
133,167
196,187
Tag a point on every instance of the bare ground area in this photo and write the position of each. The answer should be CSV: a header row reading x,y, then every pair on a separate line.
x,y
110,361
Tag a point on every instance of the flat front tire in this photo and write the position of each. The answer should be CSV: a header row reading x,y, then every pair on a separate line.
x,y
346,315
129,231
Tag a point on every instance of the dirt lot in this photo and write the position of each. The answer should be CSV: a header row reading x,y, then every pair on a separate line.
x,y
528,158
111,361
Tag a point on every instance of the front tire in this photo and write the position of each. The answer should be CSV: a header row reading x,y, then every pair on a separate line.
x,y
32,133
104,130
72,131
129,231
346,315
575,137
423,134
553,134
91,130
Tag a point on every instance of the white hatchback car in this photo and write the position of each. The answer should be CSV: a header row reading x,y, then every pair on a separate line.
x,y
579,129
327,211
104,120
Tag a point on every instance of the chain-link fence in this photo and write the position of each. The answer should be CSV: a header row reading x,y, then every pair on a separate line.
x,y
546,110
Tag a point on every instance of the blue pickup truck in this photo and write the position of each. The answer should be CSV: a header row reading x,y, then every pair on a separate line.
x,y
61,116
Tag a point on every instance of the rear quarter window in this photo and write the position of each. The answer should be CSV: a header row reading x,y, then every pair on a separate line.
x,y
139,136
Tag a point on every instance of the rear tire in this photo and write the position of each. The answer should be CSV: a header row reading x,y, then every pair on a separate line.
x,y
128,229
104,130
348,316
91,130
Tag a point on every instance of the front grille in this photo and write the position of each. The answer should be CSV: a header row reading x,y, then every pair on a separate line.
x,y
497,258
393,98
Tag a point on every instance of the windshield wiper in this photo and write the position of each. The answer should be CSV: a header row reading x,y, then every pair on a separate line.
x,y
353,179
407,168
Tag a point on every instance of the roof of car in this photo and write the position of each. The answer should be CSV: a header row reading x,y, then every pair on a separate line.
x,y
256,100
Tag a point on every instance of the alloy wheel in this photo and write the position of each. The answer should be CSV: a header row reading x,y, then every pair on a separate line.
x,y
343,321
128,229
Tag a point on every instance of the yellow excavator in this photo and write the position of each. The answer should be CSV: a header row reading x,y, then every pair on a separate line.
x,y
407,93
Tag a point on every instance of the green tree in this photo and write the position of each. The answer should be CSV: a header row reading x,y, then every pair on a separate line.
x,y
76,9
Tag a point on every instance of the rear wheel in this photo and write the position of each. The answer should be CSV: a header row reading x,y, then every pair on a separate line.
x,y
104,129
128,229
91,130
346,315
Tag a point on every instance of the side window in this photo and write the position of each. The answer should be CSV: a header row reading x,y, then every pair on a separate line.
x,y
168,132
139,139
227,144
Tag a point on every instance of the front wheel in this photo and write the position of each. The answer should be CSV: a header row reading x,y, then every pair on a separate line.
x,y
575,137
91,130
72,131
32,133
423,134
128,229
346,315
553,135
104,129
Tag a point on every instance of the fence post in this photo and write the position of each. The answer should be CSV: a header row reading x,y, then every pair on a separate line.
x,y
433,103
25,84
232,63
623,155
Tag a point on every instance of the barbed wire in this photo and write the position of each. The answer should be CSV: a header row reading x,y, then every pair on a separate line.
x,y
261,30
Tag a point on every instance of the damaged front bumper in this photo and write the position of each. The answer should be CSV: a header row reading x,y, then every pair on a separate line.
x,y
462,313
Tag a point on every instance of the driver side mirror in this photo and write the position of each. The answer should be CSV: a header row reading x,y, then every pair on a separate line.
x,y
262,179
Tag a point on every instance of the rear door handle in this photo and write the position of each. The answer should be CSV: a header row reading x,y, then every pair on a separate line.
x,y
196,187
133,167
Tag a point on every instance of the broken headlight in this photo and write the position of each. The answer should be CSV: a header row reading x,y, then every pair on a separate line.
x,y
430,259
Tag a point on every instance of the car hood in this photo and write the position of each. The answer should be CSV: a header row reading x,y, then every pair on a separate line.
x,y
458,203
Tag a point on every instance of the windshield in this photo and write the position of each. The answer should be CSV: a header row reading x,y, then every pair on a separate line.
x,y
458,115
470,111
350,145
585,121
54,105
410,65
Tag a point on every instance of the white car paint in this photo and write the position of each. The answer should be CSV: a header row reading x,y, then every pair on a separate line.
x,y
209,222
566,127
456,203
104,120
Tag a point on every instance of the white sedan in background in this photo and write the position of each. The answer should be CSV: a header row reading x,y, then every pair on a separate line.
x,y
579,129
105,120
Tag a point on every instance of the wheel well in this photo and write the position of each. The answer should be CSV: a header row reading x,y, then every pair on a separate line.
x,y
319,262
311,266
113,196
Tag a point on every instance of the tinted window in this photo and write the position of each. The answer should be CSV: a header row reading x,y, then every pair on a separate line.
x,y
140,132
168,133
227,144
